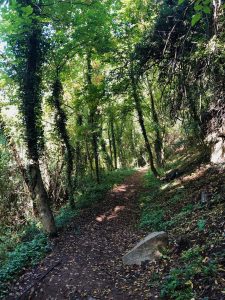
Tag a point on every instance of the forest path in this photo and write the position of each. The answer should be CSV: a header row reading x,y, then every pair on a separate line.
x,y
89,253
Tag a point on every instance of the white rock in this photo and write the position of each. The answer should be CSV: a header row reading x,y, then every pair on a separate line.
x,y
147,249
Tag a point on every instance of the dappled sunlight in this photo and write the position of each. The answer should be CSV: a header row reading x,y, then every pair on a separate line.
x,y
164,186
119,208
101,218
120,188
197,174
111,215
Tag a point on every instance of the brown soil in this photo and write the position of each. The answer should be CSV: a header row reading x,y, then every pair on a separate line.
x,y
87,255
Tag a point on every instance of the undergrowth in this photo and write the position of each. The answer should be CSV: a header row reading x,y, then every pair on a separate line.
x,y
180,283
174,206
27,246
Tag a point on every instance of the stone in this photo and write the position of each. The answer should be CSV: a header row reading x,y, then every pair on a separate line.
x,y
147,249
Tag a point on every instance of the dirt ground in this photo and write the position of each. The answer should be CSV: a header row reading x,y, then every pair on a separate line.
x,y
86,259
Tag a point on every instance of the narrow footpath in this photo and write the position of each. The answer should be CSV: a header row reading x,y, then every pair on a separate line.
x,y
86,261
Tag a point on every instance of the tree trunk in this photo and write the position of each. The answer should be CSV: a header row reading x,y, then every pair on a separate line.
x,y
95,149
110,145
141,121
44,211
158,140
106,156
79,163
93,109
89,157
119,131
29,56
113,142
61,121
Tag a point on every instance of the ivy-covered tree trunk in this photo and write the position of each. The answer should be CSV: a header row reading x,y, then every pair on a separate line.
x,y
141,121
61,121
41,199
29,55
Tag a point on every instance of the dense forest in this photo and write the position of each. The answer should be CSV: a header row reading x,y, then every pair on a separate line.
x,y
94,93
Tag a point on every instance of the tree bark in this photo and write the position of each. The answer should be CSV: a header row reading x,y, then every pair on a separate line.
x,y
158,140
79,163
30,57
106,156
89,157
41,197
92,117
110,144
141,120
61,121
113,142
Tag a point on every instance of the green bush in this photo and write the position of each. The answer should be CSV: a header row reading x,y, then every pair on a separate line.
x,y
24,254
175,286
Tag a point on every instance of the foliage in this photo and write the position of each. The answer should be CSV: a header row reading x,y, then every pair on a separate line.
x,y
153,220
192,260
24,254
180,282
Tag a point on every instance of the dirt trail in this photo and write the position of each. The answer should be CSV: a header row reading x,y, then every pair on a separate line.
x,y
89,253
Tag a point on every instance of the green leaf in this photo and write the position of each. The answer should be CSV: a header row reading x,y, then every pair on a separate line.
x,y
206,10
206,2
28,10
198,7
180,2
196,18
